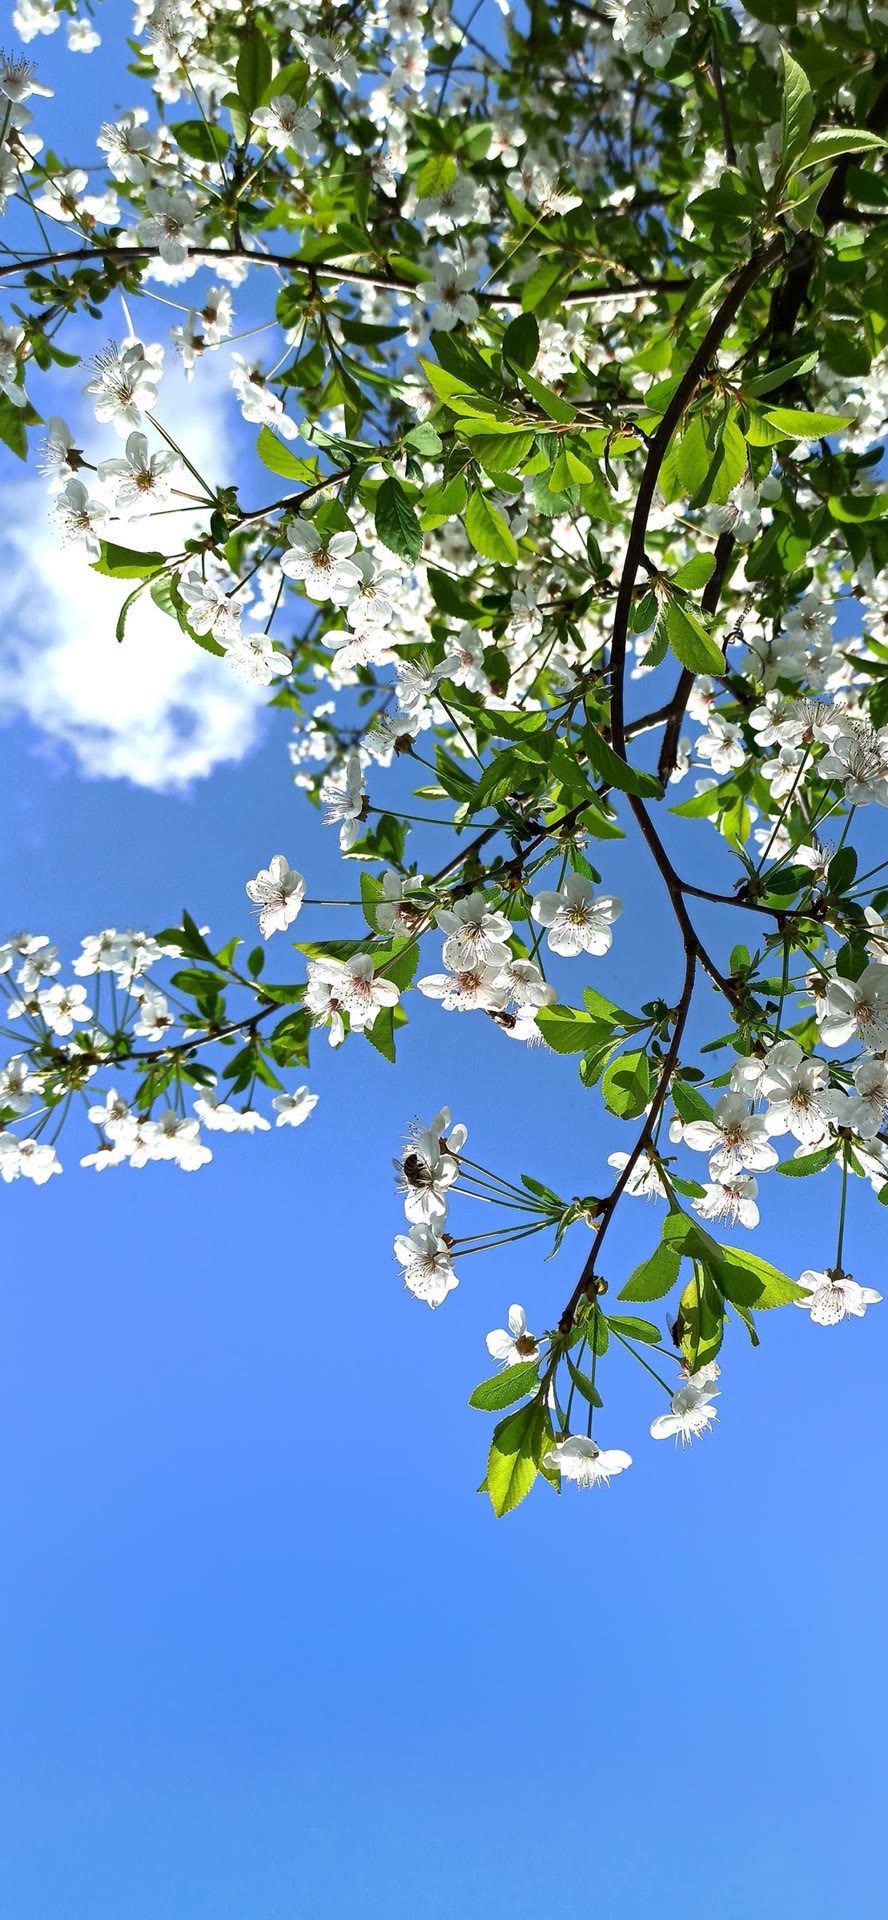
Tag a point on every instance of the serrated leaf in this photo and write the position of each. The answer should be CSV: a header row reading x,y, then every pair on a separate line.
x,y
504,1388
583,1384
278,459
835,140
808,1162
521,341
654,1277
632,1329
691,643
798,425
512,1464
568,1030
396,522
797,110
617,772
490,534
253,70
126,563
626,1085
753,1282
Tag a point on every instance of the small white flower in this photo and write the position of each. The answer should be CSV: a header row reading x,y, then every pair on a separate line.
x,y
345,801
255,658
359,989
293,1108
124,384
477,935
734,1138
278,891
324,568
79,516
286,125
145,477
61,1006
644,1182
834,1296
466,991
732,1200
425,1257
578,919
516,1345
126,142
857,1009
579,1459
428,1168
172,224
691,1412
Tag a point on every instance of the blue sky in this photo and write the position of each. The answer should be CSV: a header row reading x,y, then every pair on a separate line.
x,y
266,1652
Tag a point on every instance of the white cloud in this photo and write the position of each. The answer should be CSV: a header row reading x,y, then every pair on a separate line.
x,y
153,709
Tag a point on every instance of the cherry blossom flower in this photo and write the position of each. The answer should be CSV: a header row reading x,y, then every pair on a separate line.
x,y
516,1345
465,991
428,1168
324,568
124,383
734,1138
126,143
79,516
359,989
345,801
286,125
145,477
448,293
425,1257
582,1461
61,1006
857,1009
294,1108
578,919
691,1411
255,658
278,891
10,364
834,1296
645,1181
795,1087
172,224
732,1200
477,935
867,1106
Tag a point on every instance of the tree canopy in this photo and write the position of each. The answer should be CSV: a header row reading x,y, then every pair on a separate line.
x,y
568,383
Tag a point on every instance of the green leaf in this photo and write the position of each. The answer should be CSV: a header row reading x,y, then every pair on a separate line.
x,y
616,772
396,523
513,1461
779,376
583,1384
797,110
489,533
424,439
130,600
793,425
567,1030
436,174
688,1103
521,341
808,1162
653,1277
200,140
512,1384
253,71
125,563
633,1329
278,459
836,140
381,1034
753,1282
551,403
13,421
691,643
695,573
626,1085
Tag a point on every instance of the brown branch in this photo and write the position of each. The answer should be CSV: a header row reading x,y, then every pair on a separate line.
x,y
676,712
385,283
